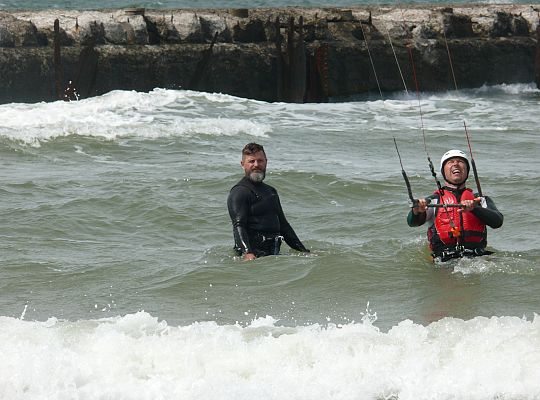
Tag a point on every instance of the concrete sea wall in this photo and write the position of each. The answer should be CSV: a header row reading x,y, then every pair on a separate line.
x,y
280,54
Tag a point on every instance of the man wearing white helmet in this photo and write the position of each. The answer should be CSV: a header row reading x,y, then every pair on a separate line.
x,y
456,231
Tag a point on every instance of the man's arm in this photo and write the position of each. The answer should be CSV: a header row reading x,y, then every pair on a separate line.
x,y
292,239
421,213
416,219
488,213
238,205
288,233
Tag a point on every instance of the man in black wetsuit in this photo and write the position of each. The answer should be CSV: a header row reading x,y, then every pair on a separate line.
x,y
259,224
456,231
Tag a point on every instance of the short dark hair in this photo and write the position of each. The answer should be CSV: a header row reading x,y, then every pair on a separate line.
x,y
252,148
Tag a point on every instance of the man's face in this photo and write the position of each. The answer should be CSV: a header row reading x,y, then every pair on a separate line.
x,y
455,171
254,166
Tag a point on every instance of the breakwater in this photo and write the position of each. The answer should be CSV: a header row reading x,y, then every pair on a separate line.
x,y
274,54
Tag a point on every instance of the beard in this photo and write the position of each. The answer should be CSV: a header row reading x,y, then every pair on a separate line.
x,y
256,176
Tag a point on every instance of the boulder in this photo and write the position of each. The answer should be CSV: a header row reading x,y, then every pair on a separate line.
x,y
249,31
19,33
188,27
212,24
457,26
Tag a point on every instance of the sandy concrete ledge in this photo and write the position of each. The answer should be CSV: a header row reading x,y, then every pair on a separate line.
x,y
273,54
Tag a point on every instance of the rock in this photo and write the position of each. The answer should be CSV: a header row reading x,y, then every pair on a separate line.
x,y
20,33
457,26
142,50
506,24
249,31
162,30
348,31
115,33
188,27
520,26
89,30
136,29
212,24
6,38
537,61
424,32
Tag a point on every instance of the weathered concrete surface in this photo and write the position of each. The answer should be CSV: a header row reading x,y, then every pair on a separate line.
x,y
287,54
537,63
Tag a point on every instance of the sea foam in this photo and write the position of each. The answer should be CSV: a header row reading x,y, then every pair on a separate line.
x,y
139,357
120,114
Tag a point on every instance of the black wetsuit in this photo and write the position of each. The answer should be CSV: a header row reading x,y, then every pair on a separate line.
x,y
489,215
258,220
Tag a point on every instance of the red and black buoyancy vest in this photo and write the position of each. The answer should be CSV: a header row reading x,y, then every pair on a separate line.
x,y
454,226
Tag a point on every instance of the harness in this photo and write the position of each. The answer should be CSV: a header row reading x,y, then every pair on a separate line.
x,y
455,233
460,251
270,241
455,227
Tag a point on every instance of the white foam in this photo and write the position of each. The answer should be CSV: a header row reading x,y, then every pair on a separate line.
x,y
139,357
514,88
118,114
179,113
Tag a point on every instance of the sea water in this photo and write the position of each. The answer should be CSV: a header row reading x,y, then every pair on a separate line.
x,y
118,280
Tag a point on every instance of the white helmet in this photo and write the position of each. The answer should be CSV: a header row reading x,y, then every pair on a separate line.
x,y
451,154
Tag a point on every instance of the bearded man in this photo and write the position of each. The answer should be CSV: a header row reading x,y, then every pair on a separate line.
x,y
455,232
259,224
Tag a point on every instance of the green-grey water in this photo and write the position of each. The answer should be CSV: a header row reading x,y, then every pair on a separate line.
x,y
116,206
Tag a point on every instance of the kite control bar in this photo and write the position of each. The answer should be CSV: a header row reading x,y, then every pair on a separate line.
x,y
448,205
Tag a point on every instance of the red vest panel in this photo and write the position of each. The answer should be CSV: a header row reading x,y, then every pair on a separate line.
x,y
453,224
